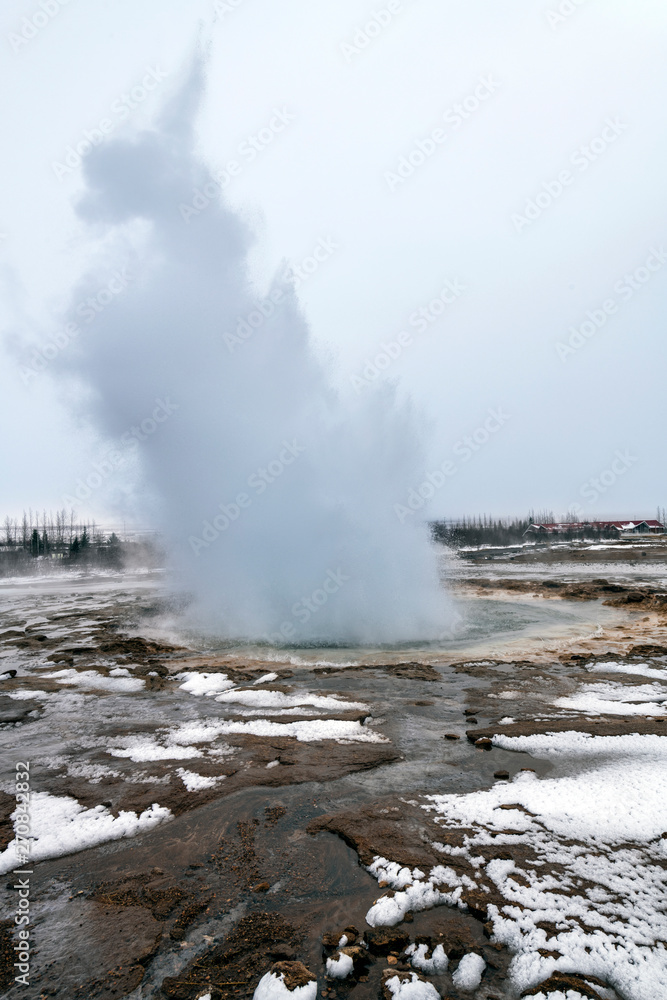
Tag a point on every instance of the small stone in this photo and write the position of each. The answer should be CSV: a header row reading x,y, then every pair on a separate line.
x,y
473,722
502,775
392,960
452,736
408,918
382,885
484,743
471,711
262,887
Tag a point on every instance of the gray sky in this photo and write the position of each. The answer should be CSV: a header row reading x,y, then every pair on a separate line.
x,y
498,167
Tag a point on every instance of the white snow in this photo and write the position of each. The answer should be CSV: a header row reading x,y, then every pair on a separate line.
x,y
140,749
469,973
413,989
196,782
433,966
60,825
616,699
559,995
598,871
272,987
266,679
339,966
642,669
27,695
94,681
204,684
276,699
306,732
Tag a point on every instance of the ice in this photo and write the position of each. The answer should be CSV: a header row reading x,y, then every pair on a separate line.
x,y
204,684
413,989
339,967
469,973
272,987
61,825
266,679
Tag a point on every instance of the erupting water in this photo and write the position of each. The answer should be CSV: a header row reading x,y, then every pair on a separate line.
x,y
275,493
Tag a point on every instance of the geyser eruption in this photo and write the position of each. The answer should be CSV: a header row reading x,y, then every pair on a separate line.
x,y
275,495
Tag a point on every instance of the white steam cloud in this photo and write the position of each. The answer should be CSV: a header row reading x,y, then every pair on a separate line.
x,y
275,494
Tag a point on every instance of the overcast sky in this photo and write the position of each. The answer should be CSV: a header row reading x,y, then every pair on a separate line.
x,y
483,184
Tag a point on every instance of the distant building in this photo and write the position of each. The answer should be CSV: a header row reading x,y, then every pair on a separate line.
x,y
581,527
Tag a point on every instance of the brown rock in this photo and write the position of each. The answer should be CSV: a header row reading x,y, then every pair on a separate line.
x,y
483,742
295,974
502,775
383,940
458,941
564,982
451,736
262,887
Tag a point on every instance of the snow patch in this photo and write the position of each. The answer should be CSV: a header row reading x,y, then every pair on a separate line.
x,y
340,967
469,973
60,825
272,987
276,699
94,681
414,989
196,782
306,732
433,966
204,685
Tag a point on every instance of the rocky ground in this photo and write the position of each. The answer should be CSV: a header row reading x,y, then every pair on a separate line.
x,y
404,821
